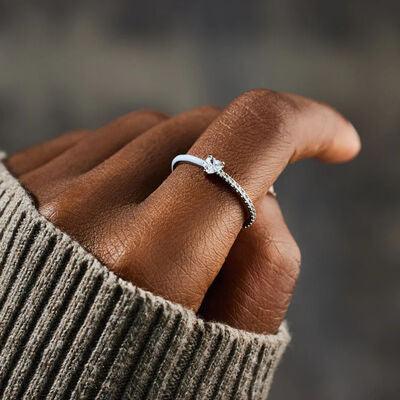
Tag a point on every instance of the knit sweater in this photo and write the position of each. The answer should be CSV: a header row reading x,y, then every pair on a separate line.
x,y
70,328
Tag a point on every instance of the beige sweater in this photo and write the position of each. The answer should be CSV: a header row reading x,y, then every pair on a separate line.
x,y
70,328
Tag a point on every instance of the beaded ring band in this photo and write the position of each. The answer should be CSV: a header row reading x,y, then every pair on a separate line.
x,y
212,166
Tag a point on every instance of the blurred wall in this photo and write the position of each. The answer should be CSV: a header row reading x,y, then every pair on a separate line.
x,y
77,64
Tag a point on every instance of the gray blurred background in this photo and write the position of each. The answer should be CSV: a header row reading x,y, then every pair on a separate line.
x,y
78,64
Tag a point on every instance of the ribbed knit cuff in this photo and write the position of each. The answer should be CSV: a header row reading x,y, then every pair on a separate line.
x,y
70,328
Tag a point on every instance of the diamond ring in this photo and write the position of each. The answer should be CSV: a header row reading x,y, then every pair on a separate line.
x,y
212,166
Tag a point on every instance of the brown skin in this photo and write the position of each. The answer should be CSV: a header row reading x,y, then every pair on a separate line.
x,y
179,235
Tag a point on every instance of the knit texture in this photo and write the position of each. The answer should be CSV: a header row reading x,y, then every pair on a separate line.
x,y
71,329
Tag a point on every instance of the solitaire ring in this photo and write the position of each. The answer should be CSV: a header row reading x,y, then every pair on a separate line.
x,y
212,166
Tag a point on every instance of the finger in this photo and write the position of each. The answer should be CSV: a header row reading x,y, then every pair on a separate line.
x,y
29,159
110,193
336,140
139,167
254,287
257,136
52,178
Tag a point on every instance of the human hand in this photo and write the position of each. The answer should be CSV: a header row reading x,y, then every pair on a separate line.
x,y
179,235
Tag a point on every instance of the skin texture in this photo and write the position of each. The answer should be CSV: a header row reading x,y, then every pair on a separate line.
x,y
179,235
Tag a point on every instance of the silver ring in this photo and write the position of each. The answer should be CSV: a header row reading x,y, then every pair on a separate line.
x,y
212,166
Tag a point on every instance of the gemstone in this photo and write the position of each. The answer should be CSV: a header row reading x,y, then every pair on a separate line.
x,y
212,165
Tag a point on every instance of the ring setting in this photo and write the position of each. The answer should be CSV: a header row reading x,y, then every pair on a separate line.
x,y
213,166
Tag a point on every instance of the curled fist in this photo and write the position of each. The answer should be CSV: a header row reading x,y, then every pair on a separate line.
x,y
180,234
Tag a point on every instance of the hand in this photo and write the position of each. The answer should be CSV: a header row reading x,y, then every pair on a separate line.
x,y
179,235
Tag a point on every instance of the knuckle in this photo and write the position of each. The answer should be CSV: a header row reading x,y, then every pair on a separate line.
x,y
144,115
62,212
54,212
158,116
209,109
285,255
81,133
259,93
267,100
271,110
293,260
77,134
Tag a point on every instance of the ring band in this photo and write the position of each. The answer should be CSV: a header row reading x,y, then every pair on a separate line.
x,y
212,166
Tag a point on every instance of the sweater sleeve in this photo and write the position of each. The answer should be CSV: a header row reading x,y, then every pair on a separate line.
x,y
70,328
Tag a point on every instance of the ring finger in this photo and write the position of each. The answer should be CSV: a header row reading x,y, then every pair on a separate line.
x,y
257,136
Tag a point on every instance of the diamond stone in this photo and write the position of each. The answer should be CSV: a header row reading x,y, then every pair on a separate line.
x,y
212,165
